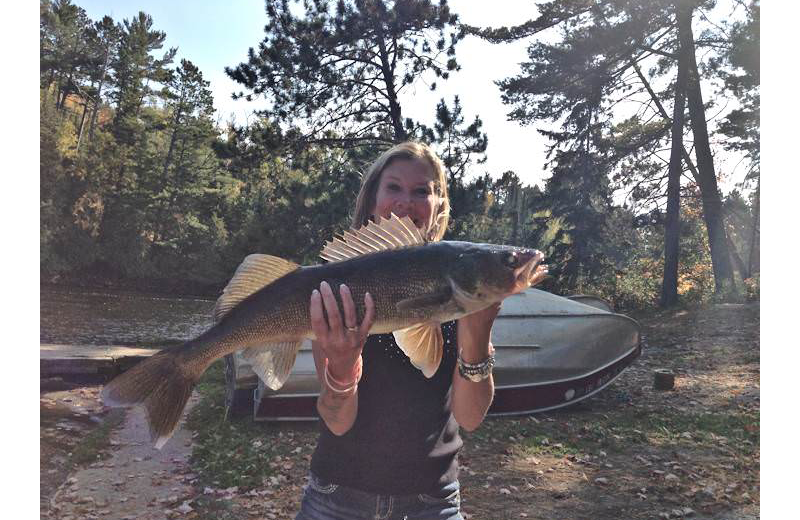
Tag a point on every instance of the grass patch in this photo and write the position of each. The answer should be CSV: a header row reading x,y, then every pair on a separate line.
x,y
95,445
214,508
619,431
233,453
544,445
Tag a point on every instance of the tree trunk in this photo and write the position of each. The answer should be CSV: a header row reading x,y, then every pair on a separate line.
x,y
175,126
99,99
672,225
752,260
82,124
736,259
388,77
707,180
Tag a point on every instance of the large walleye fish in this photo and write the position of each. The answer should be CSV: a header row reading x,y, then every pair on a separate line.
x,y
265,309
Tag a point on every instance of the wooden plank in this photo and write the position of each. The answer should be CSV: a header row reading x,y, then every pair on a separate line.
x,y
70,361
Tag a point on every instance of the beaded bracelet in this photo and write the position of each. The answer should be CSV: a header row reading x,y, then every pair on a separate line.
x,y
476,371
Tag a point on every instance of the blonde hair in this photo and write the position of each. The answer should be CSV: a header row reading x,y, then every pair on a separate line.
x,y
409,150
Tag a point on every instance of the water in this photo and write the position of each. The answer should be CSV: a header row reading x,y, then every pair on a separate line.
x,y
106,317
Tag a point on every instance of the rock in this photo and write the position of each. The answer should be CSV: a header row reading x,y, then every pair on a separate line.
x,y
504,491
663,379
603,481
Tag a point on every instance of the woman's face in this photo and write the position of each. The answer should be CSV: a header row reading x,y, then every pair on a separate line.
x,y
406,188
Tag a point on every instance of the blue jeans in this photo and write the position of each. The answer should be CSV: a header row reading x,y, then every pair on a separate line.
x,y
328,501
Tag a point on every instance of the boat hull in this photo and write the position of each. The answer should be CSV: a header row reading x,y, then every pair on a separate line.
x,y
550,352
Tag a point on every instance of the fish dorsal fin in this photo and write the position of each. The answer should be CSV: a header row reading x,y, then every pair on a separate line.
x,y
255,272
386,234
423,344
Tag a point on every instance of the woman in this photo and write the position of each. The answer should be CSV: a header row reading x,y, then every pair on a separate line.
x,y
390,436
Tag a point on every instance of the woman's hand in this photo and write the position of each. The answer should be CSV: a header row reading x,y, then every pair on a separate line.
x,y
339,338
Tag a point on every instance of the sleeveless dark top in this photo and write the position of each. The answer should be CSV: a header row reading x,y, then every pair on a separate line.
x,y
405,439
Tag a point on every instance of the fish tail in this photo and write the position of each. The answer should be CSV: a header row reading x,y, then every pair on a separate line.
x,y
161,384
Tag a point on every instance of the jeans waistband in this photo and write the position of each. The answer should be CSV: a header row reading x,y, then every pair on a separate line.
x,y
365,497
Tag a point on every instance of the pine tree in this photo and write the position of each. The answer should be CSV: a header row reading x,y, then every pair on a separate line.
x,y
134,69
577,81
333,73
460,147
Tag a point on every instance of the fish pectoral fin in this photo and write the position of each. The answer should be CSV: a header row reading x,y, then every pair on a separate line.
x,y
426,301
423,344
273,362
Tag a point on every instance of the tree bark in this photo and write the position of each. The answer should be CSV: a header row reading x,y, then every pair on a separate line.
x,y
672,225
82,124
752,257
99,99
736,259
707,179
387,70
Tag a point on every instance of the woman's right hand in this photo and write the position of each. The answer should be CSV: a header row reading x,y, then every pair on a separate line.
x,y
340,338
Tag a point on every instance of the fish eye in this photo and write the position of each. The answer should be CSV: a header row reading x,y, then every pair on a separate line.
x,y
510,259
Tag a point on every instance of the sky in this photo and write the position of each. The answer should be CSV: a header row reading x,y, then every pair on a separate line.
x,y
216,34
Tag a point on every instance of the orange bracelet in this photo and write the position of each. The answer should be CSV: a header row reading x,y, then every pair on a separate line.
x,y
343,388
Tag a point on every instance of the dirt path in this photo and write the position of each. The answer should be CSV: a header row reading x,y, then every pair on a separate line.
x,y
135,482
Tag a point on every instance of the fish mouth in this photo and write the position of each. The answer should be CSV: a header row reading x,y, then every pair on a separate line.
x,y
531,272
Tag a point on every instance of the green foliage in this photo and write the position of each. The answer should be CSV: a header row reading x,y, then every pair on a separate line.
x,y
137,181
335,69
578,80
